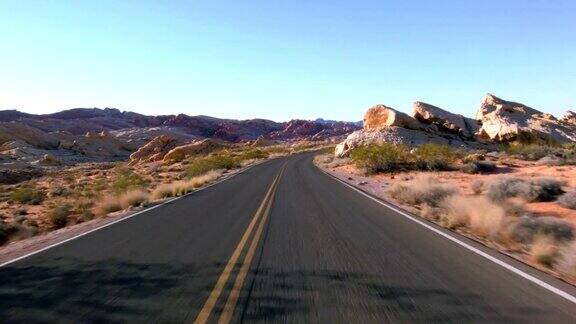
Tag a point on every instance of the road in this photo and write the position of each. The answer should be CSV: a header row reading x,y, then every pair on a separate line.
x,y
280,242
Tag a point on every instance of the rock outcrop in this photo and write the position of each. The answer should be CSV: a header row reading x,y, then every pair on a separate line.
x,y
504,121
16,131
497,120
381,117
182,152
569,118
444,120
155,150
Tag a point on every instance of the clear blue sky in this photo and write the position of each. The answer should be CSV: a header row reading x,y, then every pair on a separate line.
x,y
285,59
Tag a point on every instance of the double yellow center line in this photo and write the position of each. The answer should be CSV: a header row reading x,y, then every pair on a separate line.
x,y
260,218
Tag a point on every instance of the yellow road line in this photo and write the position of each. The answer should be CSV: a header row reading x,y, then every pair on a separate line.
x,y
226,316
218,288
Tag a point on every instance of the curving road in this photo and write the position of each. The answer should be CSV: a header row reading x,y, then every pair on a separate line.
x,y
280,242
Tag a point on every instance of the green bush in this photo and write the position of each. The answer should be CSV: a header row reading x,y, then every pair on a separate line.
x,y
253,154
58,216
531,152
127,179
28,195
385,157
202,165
434,157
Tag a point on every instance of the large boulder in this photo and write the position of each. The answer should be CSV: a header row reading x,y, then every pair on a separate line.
x,y
155,150
182,152
381,117
503,120
444,120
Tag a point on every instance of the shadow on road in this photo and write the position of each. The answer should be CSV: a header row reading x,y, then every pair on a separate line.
x,y
73,290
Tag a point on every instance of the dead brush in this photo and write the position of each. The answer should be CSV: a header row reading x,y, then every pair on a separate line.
x,y
422,190
478,214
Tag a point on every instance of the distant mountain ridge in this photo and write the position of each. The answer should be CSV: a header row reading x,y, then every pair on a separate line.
x,y
80,121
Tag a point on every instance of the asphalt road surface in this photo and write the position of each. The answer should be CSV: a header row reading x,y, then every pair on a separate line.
x,y
280,242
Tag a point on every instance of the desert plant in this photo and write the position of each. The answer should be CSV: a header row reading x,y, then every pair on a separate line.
x,y
162,191
478,167
538,189
477,186
568,200
107,205
202,165
473,157
253,154
58,216
6,230
528,228
126,180
28,195
421,190
384,157
133,198
434,157
530,152
567,259
544,250
480,215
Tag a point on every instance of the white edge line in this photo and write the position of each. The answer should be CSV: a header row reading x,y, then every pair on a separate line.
x,y
128,217
452,238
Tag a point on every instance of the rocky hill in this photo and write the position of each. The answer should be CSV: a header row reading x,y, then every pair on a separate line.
x,y
496,121
92,134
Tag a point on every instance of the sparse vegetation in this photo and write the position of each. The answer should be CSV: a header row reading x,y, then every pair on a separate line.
x,y
567,259
127,179
434,157
477,186
133,198
28,195
422,190
253,154
385,157
538,189
528,228
107,205
58,216
568,200
544,250
478,167
483,217
202,165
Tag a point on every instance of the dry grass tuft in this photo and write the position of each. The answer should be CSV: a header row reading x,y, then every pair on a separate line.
x,y
482,216
567,260
544,250
183,187
133,198
422,190
107,205
477,186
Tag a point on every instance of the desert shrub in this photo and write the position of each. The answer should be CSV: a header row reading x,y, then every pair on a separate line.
x,y
133,198
6,230
550,161
58,216
202,165
253,154
568,200
84,209
538,189
162,191
544,250
567,260
107,205
28,195
127,179
477,186
549,187
528,228
530,152
478,167
434,157
201,180
480,215
421,190
384,157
